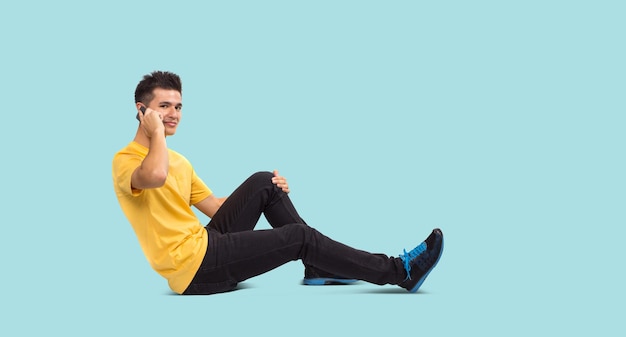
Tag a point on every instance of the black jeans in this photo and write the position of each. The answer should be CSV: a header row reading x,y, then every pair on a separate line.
x,y
236,252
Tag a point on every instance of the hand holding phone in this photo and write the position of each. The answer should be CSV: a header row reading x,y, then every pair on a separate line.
x,y
143,112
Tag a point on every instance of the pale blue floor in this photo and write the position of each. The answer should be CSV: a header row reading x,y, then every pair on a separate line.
x,y
469,293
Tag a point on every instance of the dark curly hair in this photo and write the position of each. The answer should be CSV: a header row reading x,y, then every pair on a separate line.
x,y
144,92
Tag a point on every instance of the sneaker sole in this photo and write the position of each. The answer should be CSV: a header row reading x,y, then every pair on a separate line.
x,y
423,278
326,281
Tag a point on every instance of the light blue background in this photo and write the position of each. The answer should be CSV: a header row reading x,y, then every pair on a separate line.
x,y
502,122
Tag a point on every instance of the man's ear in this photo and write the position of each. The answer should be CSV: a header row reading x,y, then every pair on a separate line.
x,y
140,108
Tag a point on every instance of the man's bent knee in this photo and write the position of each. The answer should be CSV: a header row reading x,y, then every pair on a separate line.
x,y
262,176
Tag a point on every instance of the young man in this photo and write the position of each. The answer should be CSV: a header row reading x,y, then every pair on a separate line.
x,y
156,188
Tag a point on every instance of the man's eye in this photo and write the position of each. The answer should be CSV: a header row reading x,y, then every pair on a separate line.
x,y
178,108
163,106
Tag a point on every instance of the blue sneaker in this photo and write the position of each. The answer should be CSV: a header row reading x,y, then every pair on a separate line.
x,y
419,262
316,277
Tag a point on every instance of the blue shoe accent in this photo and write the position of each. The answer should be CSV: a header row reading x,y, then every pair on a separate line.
x,y
408,257
420,261
423,278
325,281
317,277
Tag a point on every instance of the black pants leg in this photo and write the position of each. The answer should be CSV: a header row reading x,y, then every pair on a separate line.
x,y
236,252
255,196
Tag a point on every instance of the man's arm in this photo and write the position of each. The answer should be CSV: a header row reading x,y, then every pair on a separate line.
x,y
153,170
210,205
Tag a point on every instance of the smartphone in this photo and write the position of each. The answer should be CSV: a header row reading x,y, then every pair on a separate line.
x,y
143,111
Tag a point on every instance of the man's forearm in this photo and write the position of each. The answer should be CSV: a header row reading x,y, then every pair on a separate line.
x,y
153,170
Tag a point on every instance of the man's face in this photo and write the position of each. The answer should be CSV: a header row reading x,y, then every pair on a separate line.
x,y
169,103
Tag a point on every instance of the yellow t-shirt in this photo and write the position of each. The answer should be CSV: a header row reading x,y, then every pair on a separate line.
x,y
170,234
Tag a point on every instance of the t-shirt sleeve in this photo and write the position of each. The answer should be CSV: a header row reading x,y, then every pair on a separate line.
x,y
199,190
123,168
